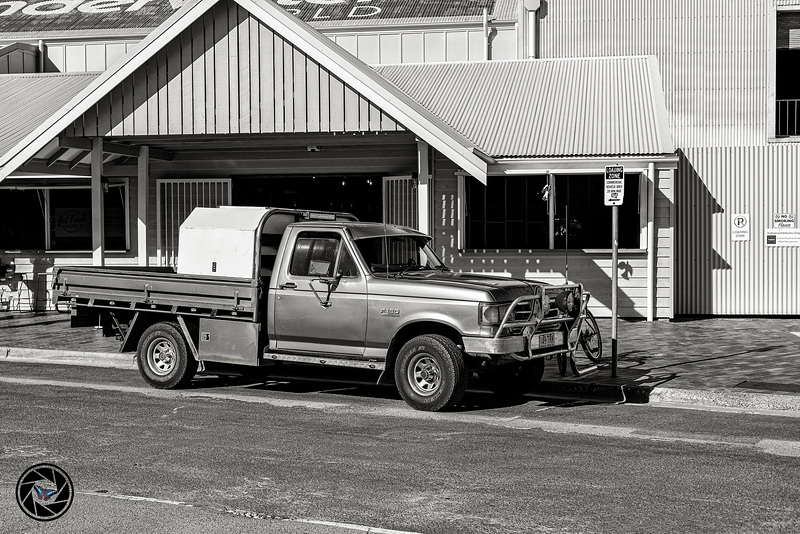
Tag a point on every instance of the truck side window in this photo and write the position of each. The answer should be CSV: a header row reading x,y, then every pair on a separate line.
x,y
321,254
347,265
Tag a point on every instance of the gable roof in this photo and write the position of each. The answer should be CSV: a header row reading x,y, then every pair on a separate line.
x,y
350,70
612,106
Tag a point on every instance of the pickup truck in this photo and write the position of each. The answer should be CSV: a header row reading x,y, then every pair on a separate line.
x,y
260,286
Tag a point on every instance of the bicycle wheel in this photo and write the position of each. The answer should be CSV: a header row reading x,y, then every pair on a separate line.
x,y
589,338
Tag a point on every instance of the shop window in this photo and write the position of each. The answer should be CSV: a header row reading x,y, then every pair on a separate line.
x,y
60,219
22,225
508,212
787,59
519,213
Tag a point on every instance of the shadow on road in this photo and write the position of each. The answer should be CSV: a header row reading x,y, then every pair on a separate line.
x,y
363,385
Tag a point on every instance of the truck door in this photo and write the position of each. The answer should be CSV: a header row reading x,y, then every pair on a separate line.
x,y
321,297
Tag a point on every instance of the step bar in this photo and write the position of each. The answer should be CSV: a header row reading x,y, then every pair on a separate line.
x,y
325,359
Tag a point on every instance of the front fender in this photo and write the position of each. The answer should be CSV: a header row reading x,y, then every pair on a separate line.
x,y
388,317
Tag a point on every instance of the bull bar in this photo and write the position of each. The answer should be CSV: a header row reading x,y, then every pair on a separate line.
x,y
499,344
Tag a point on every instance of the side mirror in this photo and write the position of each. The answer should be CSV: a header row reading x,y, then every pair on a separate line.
x,y
332,284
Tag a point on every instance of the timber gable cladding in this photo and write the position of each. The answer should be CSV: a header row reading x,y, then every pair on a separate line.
x,y
229,73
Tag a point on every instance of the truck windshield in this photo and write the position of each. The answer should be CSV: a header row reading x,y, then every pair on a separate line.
x,y
398,254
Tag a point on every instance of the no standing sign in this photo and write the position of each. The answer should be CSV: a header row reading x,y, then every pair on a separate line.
x,y
615,185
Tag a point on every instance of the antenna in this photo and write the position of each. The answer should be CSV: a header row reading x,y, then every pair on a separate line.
x,y
566,243
385,247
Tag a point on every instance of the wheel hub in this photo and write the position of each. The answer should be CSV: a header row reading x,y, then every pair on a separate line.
x,y
424,375
161,357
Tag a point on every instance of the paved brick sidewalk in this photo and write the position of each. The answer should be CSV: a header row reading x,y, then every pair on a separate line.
x,y
734,356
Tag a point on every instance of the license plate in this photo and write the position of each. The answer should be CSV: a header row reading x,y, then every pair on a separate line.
x,y
548,340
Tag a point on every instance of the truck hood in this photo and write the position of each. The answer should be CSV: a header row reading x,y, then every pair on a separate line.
x,y
454,286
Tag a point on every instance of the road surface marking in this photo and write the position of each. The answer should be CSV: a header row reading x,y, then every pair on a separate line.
x,y
349,526
170,394
362,528
244,513
796,333
780,448
133,498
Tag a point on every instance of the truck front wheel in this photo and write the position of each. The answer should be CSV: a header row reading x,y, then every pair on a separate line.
x,y
430,373
514,379
164,360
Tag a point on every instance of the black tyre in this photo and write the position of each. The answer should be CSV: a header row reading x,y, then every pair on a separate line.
x,y
164,359
514,379
589,338
430,373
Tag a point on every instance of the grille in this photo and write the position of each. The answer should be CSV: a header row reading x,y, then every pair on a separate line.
x,y
523,312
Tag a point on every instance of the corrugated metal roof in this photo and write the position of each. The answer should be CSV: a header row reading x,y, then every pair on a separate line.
x,y
29,99
20,22
543,108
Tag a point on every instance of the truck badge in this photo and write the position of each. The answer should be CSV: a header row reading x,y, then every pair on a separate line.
x,y
390,312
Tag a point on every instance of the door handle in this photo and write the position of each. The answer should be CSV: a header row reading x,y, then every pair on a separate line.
x,y
288,285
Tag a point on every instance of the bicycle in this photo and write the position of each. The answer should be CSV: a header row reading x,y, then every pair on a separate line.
x,y
592,344
590,339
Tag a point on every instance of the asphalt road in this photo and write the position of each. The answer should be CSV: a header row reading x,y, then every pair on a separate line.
x,y
296,456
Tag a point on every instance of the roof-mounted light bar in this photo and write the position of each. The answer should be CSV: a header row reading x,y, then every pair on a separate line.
x,y
319,216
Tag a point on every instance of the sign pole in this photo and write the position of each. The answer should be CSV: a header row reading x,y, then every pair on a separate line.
x,y
614,300
614,195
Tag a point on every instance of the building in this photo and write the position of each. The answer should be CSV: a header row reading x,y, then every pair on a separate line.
x,y
134,112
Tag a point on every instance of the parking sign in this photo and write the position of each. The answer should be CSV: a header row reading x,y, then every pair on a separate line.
x,y
615,185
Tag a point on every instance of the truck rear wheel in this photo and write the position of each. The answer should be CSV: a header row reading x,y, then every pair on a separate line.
x,y
430,373
164,360
514,379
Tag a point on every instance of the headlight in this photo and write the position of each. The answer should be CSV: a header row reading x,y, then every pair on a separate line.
x,y
568,302
490,314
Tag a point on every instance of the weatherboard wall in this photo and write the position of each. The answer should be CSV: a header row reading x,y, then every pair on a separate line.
x,y
714,57
717,61
718,275
230,74
85,56
19,59
592,267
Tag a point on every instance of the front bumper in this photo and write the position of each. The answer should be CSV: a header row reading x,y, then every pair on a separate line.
x,y
517,346
525,346
490,345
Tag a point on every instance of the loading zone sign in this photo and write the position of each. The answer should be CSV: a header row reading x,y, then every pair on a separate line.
x,y
615,185
740,227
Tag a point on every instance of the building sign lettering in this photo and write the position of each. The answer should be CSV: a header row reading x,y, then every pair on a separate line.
x,y
614,185
73,222
26,16
783,237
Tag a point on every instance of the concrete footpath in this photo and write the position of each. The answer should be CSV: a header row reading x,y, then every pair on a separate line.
x,y
738,363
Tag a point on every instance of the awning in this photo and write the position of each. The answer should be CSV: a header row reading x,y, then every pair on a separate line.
x,y
29,99
587,107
